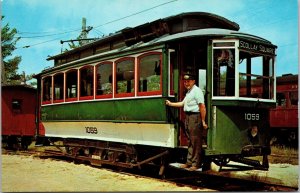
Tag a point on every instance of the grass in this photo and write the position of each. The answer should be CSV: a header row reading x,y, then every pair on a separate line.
x,y
283,155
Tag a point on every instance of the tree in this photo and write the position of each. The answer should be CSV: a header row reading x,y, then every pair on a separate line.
x,y
9,66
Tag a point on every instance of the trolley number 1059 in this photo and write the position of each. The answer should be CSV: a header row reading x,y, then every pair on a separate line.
x,y
252,116
91,130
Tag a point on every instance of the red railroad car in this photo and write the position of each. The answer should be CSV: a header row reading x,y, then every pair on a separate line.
x,y
18,115
284,118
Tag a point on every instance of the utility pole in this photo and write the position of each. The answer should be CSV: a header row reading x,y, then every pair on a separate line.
x,y
84,31
82,38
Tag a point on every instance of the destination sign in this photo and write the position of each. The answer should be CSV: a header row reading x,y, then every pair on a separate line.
x,y
257,47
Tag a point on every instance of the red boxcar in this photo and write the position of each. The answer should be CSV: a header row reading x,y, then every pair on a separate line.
x,y
286,112
284,118
18,115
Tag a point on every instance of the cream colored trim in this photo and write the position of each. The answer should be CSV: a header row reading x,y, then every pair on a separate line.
x,y
163,135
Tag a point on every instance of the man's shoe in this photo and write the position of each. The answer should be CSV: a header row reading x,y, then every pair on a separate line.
x,y
193,168
185,166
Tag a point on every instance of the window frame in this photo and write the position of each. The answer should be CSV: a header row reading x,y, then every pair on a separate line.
x,y
63,88
237,71
104,96
265,66
236,58
88,97
124,95
139,58
45,102
67,99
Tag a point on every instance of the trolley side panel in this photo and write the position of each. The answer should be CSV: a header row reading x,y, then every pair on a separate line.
x,y
231,133
131,110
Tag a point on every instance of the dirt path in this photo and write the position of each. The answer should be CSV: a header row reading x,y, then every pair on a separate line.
x,y
30,174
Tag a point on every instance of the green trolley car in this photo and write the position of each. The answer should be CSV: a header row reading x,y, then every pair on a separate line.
x,y
106,99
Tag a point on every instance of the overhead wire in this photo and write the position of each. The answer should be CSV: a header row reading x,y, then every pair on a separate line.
x,y
47,35
48,32
135,13
27,46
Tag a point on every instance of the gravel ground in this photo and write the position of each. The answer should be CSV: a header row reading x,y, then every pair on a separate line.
x,y
31,174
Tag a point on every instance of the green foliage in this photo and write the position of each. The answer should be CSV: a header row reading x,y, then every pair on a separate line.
x,y
8,45
153,83
8,41
10,65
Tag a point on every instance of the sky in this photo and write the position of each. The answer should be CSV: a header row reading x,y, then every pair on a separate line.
x,y
42,24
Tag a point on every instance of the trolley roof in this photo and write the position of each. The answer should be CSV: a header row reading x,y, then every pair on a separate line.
x,y
149,31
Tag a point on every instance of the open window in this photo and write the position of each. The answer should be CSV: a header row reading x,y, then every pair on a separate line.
x,y
224,72
104,80
149,73
125,77
256,78
71,85
58,87
224,67
47,90
86,82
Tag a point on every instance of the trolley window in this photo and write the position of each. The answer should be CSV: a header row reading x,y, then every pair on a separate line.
x,y
149,73
47,90
243,70
125,77
104,80
86,82
71,85
224,72
256,76
58,87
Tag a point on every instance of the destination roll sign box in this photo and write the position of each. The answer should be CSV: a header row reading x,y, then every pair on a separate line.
x,y
250,46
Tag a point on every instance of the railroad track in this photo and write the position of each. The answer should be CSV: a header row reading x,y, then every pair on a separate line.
x,y
21,152
195,180
290,156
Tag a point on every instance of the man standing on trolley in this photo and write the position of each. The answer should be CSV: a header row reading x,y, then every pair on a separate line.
x,y
195,112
